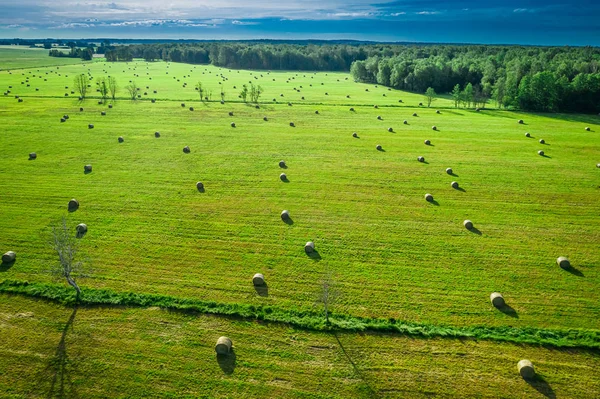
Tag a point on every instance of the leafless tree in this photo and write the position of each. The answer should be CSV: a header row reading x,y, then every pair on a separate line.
x,y
328,294
132,89
66,246
81,85
112,86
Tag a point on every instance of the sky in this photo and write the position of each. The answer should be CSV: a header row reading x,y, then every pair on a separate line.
x,y
530,22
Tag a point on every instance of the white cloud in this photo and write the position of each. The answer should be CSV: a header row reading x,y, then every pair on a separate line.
x,y
428,12
236,22
396,14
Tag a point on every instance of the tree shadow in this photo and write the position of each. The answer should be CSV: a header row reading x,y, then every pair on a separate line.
x,y
262,290
314,255
569,269
4,266
475,230
227,362
541,385
508,310
61,385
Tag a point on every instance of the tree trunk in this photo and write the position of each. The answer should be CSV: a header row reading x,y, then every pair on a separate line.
x,y
74,285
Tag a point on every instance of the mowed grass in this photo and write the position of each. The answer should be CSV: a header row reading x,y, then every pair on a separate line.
x,y
51,351
393,254
20,57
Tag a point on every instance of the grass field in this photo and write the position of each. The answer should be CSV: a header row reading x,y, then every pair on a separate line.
x,y
392,254
20,57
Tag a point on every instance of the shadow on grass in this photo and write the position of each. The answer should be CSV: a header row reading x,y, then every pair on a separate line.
x,y
569,269
541,385
475,230
288,221
508,310
459,188
227,362
87,172
4,266
314,255
546,156
434,202
262,290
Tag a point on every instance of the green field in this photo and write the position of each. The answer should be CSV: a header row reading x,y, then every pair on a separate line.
x,y
393,254
20,57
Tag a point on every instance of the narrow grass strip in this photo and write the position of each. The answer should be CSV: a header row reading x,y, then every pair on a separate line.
x,y
310,320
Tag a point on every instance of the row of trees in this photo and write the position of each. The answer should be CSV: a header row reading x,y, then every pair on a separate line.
x,y
85,54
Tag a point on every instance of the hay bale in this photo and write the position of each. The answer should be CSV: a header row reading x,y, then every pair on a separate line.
x,y
283,177
563,262
156,134
62,120
351,109
521,121
66,116
282,164
81,228
285,215
223,346
427,142
437,111
390,129
420,159
541,153
87,168
103,113
121,139
526,369
32,155
468,224
434,127
258,279
20,100
379,148
292,124
454,184
80,109
191,108
497,299
415,114
527,134
90,126
153,101
420,104
449,171
405,122
110,105
355,135
186,149
200,186
73,205
379,117
542,141
587,128
309,247
598,165
317,112
428,197
232,124
9,256
182,105
230,113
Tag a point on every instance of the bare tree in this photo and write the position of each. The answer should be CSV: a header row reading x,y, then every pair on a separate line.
x,y
66,245
81,85
103,87
200,90
328,294
112,86
222,94
132,89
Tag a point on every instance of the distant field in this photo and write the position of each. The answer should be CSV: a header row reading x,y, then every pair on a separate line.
x,y
19,57
393,255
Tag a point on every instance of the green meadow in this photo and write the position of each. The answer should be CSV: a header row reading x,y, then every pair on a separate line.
x,y
394,256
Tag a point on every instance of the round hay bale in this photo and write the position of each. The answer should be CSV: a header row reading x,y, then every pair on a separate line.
x,y
283,177
100,102
223,346
81,228
285,215
32,155
526,369
415,114
521,121
20,100
542,141
427,142
9,256
379,148
309,247
454,184
182,105
390,129
257,106
428,197
232,124
292,124
497,299
191,108
449,171
434,127
376,106
317,112
587,128
66,116
153,101
527,134
156,134
468,224
121,139
282,164
186,149
103,113
437,111
200,186
598,165
73,205
90,126
258,279
420,104
62,120
420,159
110,105
80,109
405,122
87,168
541,153
379,117
351,109
399,101
355,135
230,113
563,262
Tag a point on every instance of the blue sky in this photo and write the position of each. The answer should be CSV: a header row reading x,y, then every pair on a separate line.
x,y
551,22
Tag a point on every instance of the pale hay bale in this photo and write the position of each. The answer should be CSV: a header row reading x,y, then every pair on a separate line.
x,y
587,128
223,346
355,135
454,184
563,262
468,224
521,121
527,134
258,279
73,205
81,228
526,369
421,159
541,153
87,168
449,171
9,257
497,299
427,142
379,147
200,186
285,215
32,155
121,139
428,197
434,127
186,149
542,141
390,129
309,247
282,164
283,177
